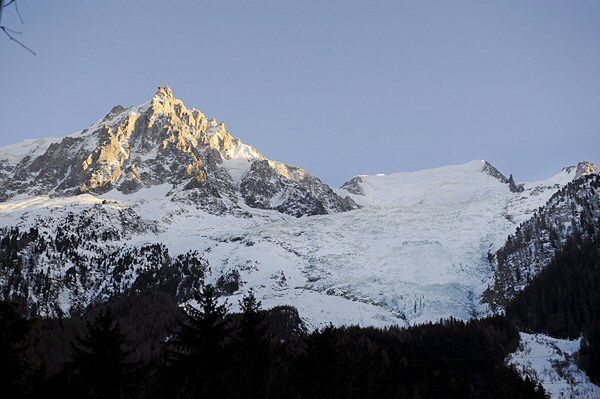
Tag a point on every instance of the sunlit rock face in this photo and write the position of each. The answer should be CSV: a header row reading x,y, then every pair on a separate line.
x,y
163,142
585,168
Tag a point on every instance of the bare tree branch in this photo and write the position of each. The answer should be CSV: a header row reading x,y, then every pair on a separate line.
x,y
13,31
16,41
8,31
17,10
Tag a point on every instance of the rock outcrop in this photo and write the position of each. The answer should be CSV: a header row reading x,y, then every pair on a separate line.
x,y
585,168
492,171
162,142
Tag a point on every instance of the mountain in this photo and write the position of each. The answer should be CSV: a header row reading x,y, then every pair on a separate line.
x,y
574,210
160,197
162,143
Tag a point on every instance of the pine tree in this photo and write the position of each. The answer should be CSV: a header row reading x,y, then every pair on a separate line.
x,y
253,328
252,349
197,353
589,354
14,368
321,363
99,359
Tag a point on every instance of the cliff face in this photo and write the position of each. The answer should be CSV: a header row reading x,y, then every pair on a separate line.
x,y
163,142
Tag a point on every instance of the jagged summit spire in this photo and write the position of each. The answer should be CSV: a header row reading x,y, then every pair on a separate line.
x,y
164,92
164,98
165,103
492,171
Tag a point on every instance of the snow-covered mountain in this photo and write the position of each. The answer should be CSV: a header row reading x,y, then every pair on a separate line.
x,y
160,143
572,210
160,196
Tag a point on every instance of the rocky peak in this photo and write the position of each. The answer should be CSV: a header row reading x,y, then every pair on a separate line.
x,y
354,185
581,169
164,142
185,127
116,110
514,187
163,92
492,171
585,168
165,104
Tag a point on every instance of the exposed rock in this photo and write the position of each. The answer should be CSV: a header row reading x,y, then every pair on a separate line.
x,y
514,187
492,171
585,168
229,283
354,186
164,142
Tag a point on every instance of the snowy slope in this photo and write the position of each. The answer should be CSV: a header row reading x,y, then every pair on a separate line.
x,y
552,362
160,194
14,153
159,173
536,194
416,251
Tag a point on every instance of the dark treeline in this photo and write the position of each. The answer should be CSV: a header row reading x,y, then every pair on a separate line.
x,y
574,210
564,300
589,354
145,346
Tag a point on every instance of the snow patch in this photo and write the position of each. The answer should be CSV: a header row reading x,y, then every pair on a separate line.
x,y
552,362
14,153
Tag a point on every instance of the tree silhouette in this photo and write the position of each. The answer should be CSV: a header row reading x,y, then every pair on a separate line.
x,y
197,354
251,349
14,368
99,358
589,354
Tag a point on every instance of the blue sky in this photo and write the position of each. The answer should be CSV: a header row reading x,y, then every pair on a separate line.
x,y
340,88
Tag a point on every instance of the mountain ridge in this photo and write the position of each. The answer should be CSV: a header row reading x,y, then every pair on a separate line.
x,y
178,195
164,142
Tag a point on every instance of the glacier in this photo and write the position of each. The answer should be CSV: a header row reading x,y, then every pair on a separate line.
x,y
415,251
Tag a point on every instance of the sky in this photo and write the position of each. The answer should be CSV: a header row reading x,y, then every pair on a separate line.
x,y
339,88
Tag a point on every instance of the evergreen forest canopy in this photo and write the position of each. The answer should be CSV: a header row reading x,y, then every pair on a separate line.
x,y
145,346
564,301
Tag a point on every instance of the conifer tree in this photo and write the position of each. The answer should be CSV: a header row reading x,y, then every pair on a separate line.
x,y
321,363
197,354
252,348
99,359
589,354
253,328
14,368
